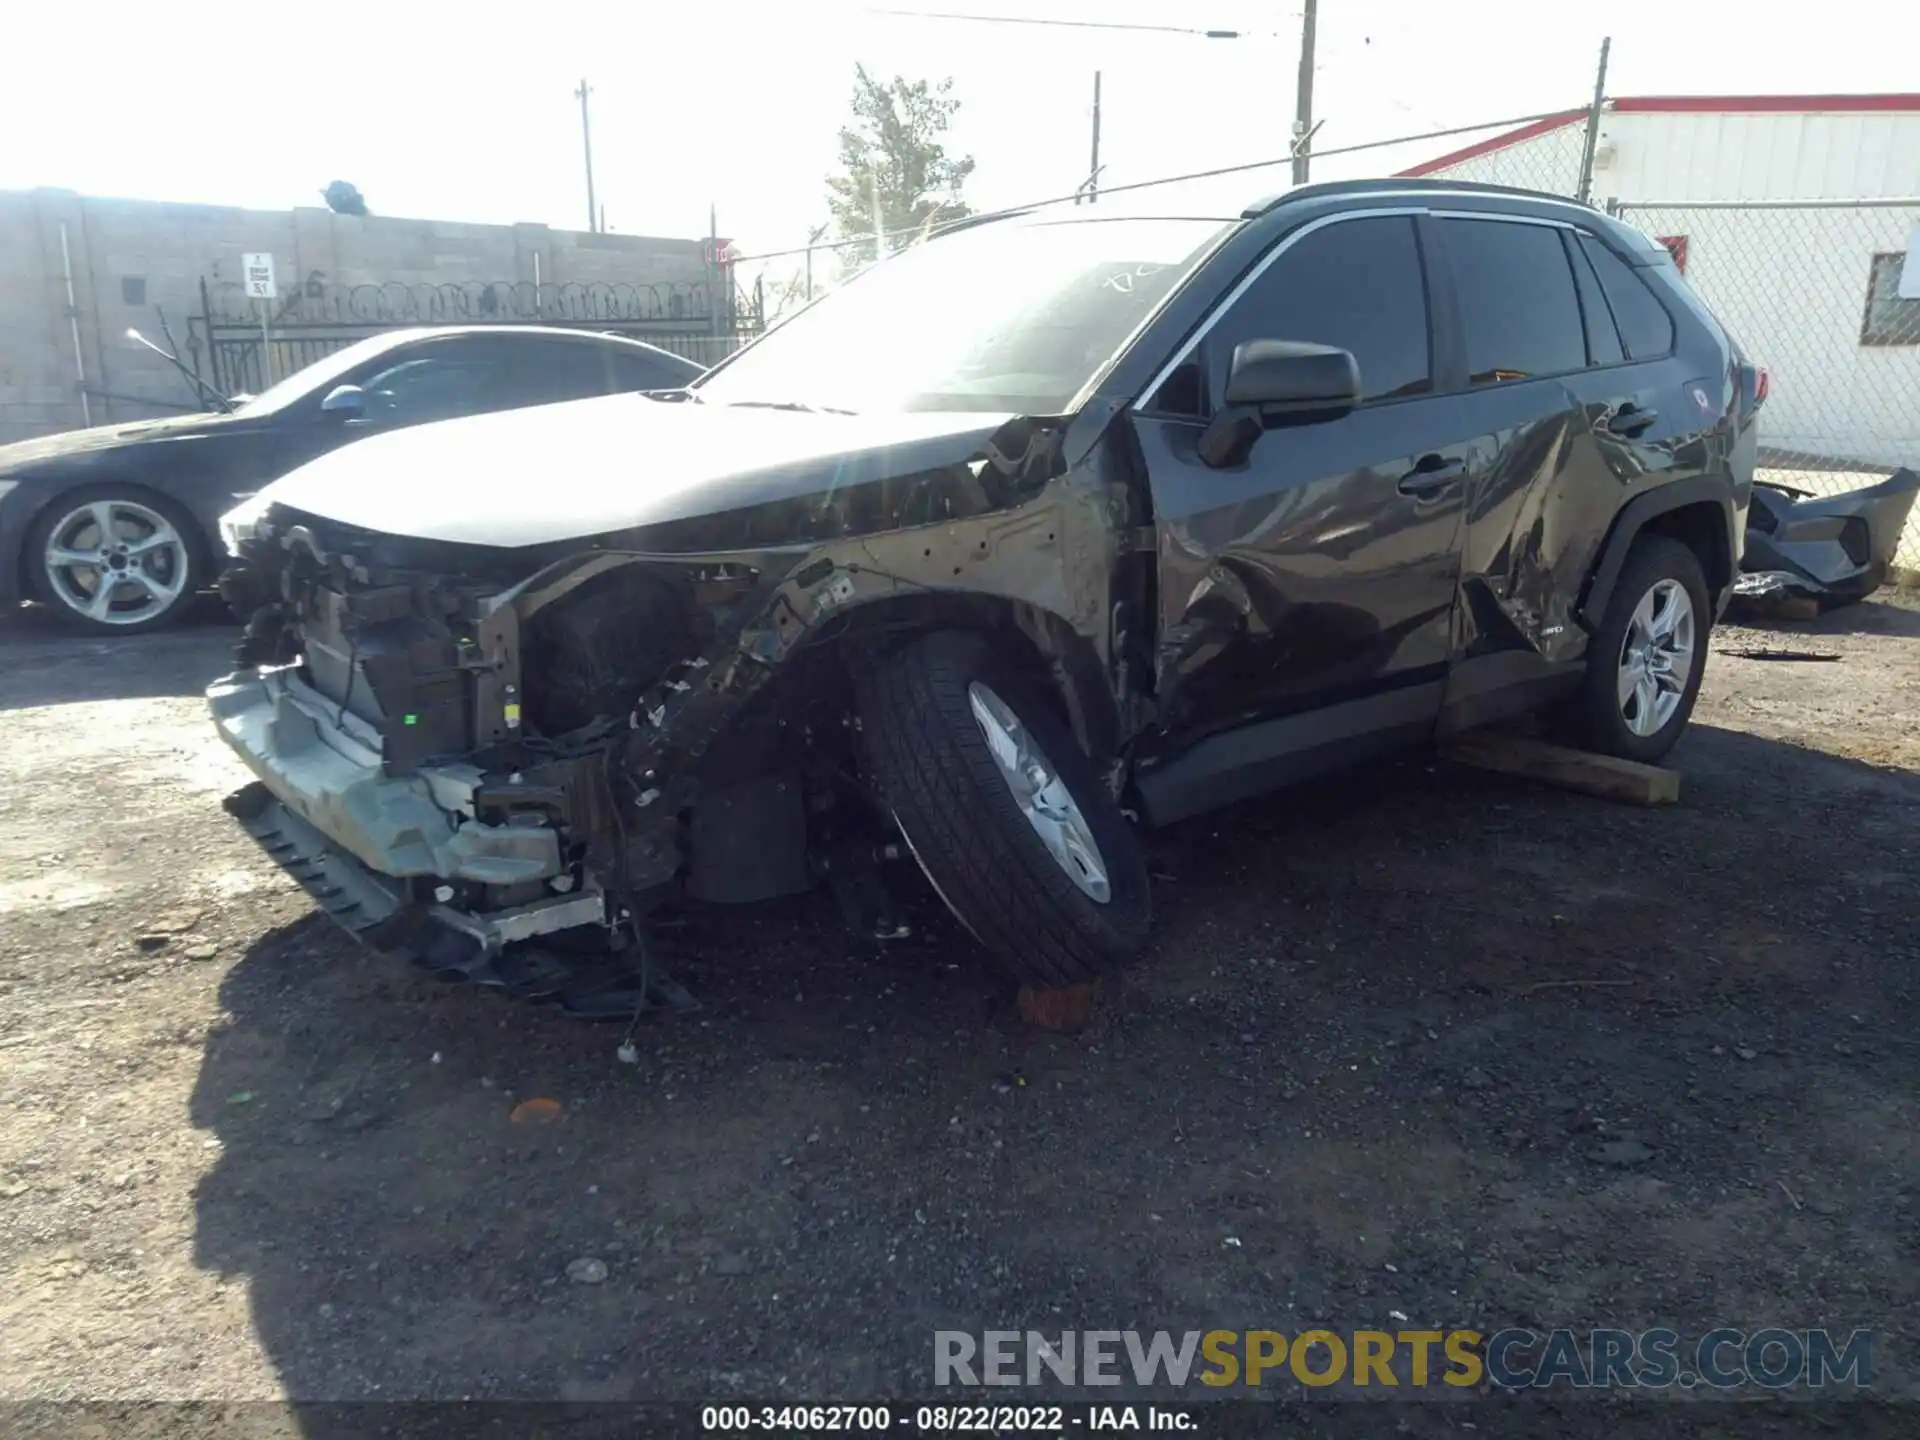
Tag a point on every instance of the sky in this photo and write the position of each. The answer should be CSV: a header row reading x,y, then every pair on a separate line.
x,y
454,111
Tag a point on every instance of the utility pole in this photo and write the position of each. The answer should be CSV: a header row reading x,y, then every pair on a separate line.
x,y
1303,96
586,141
879,217
1093,165
1593,123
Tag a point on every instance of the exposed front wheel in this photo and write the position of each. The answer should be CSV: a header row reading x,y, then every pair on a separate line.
x,y
1004,813
1647,659
114,559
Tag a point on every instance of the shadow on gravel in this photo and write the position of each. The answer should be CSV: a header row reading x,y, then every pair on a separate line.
x,y
1873,616
44,663
1424,1041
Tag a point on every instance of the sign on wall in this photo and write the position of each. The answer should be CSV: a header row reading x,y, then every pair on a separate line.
x,y
257,270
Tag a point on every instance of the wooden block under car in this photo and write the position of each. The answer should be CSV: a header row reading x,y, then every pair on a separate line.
x,y
1606,776
1066,1008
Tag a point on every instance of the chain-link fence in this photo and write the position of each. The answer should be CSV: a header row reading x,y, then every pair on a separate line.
x,y
1810,289
1549,155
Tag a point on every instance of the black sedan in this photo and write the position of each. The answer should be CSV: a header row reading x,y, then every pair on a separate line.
x,y
116,527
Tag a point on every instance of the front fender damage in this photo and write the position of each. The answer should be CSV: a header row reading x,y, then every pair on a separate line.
x,y
1043,565
669,647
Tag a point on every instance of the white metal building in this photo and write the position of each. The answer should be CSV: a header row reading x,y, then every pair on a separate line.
x,y
1735,186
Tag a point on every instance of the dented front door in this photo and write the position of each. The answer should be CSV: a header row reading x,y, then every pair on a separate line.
x,y
1324,568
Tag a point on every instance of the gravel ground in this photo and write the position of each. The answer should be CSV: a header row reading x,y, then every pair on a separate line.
x,y
1426,1040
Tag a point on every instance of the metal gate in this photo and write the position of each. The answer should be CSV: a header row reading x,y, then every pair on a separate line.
x,y
227,348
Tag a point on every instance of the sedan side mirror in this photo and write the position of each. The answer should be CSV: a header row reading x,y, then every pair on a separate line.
x,y
1271,383
349,402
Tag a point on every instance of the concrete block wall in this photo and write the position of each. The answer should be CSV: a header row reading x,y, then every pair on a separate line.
x,y
129,256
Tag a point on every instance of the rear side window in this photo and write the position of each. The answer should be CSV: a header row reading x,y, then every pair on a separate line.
x,y
546,370
1518,305
641,371
1645,327
1356,284
1603,340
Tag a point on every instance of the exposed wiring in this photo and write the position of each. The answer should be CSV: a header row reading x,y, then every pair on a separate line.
x,y
620,894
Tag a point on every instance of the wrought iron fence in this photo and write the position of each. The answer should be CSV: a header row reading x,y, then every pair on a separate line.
x,y
314,319
1810,289
397,302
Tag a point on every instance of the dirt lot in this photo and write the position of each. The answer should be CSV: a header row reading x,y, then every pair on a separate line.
x,y
1426,1041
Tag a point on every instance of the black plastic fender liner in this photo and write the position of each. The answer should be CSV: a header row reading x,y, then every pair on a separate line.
x,y
1634,517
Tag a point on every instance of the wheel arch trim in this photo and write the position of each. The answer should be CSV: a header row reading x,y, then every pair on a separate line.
x,y
1633,520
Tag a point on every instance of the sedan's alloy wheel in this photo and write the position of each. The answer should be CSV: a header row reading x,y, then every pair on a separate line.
x,y
116,562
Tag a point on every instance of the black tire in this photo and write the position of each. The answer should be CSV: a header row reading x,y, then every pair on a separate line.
x,y
933,768
1593,718
195,569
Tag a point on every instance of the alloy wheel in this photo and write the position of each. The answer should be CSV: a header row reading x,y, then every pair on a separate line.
x,y
1656,658
1040,793
116,562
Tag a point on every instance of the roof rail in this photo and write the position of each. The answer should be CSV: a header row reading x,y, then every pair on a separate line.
x,y
1400,184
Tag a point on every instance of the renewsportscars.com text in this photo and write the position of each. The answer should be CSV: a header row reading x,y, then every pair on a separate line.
x,y
1724,1359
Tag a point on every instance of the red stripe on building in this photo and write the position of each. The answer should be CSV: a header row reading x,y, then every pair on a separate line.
x,y
1676,105
1497,142
1766,104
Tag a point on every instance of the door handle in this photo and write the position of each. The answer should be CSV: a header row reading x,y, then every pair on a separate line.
x,y
1431,475
1628,420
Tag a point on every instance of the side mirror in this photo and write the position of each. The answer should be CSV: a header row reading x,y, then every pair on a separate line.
x,y
349,402
1271,383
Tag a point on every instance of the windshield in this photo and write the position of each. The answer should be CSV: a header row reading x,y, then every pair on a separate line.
x,y
323,374
1012,316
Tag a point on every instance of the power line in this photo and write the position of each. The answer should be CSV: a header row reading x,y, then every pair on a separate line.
x,y
1068,24
1174,180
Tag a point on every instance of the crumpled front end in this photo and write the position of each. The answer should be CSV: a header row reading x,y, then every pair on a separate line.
x,y
403,775
460,749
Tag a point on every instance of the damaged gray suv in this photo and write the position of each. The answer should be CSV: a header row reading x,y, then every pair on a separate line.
x,y
1055,525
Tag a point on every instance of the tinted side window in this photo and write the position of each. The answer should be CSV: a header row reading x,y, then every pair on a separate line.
x,y
543,370
1356,284
639,371
1603,340
1645,327
1517,301
434,387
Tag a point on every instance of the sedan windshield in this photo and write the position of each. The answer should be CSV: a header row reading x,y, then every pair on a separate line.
x,y
1012,316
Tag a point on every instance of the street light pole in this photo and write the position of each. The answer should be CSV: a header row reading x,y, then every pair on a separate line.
x,y
1303,96
586,141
